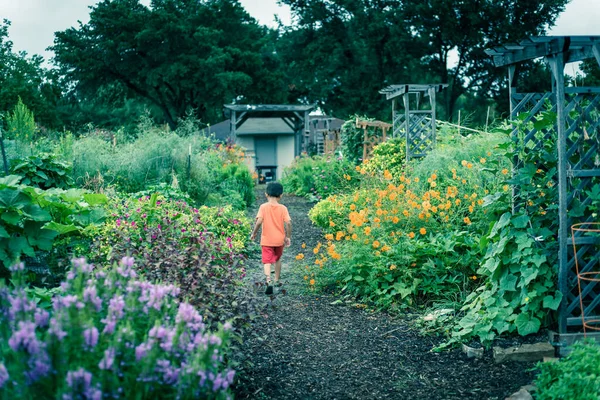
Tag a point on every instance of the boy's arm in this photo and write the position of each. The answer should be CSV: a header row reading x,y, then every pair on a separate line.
x,y
259,221
288,233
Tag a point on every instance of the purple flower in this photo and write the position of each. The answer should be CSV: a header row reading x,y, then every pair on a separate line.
x,y
82,265
90,294
116,306
56,330
142,350
41,318
3,375
227,326
25,338
17,267
108,359
109,326
80,380
90,336
19,304
39,367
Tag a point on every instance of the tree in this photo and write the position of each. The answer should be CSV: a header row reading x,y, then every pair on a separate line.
x,y
23,77
356,47
176,55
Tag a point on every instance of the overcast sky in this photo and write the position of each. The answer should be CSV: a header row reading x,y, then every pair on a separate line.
x,y
35,21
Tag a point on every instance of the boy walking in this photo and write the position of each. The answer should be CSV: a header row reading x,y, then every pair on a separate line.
x,y
276,231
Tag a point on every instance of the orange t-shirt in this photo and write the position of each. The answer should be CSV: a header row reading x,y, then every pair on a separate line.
x,y
273,229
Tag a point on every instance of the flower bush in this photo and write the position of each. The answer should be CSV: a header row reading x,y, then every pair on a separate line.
x,y
387,156
109,334
575,377
320,176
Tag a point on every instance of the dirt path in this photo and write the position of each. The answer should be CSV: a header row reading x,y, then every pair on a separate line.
x,y
304,347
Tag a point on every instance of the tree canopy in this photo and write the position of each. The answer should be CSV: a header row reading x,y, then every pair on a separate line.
x,y
176,55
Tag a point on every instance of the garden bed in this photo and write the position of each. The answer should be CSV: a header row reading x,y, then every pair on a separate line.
x,y
306,347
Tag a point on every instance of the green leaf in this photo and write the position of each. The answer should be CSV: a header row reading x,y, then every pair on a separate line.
x,y
61,228
502,222
39,237
358,278
520,222
526,325
3,232
18,245
10,180
41,174
36,213
90,217
528,274
553,302
13,198
11,217
94,199
508,282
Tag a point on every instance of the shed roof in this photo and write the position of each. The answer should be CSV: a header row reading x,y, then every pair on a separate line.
x,y
264,126
269,107
575,48
398,90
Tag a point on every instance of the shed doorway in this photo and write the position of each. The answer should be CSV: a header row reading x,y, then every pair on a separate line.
x,y
266,158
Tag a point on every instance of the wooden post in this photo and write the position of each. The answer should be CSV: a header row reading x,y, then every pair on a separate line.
x,y
233,124
432,102
365,138
558,66
394,117
487,119
407,125
3,152
189,165
458,122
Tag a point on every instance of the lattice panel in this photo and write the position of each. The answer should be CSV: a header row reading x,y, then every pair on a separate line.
x,y
421,136
583,170
399,124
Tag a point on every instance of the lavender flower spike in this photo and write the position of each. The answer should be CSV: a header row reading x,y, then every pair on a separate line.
x,y
90,336
4,377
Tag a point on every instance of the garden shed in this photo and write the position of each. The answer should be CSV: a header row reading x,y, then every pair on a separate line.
x,y
273,135
577,137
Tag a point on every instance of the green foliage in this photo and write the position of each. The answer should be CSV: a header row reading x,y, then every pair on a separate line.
x,y
320,176
20,122
32,219
352,140
575,377
109,334
165,40
44,171
388,156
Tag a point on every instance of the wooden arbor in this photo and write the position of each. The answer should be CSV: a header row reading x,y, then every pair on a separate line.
x,y
418,126
294,116
578,144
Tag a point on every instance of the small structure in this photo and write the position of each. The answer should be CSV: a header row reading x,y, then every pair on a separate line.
x,y
372,138
415,124
273,135
324,134
578,146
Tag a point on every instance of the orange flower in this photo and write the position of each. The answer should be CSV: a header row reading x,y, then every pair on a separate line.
x,y
329,236
411,235
367,231
395,220
387,175
469,165
482,160
505,171
386,248
358,168
464,163
305,277
331,223
312,281
393,267
467,221
352,207
303,245
376,244
405,212
433,176
354,236
422,231
505,188
300,256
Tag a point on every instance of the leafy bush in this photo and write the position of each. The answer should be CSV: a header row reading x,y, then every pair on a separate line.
x,y
21,124
352,140
387,156
575,377
44,171
32,219
109,334
320,176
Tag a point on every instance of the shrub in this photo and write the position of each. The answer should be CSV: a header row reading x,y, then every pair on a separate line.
x,y
44,171
109,334
352,139
576,377
21,124
387,156
320,176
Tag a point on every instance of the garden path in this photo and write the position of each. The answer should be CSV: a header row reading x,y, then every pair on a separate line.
x,y
305,347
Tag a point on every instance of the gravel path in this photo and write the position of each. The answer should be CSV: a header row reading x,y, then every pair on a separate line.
x,y
305,347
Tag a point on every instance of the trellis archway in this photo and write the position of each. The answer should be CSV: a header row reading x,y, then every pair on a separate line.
x,y
578,145
415,124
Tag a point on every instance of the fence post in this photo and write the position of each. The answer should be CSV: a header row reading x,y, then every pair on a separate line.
x,y
458,122
3,152
487,118
189,165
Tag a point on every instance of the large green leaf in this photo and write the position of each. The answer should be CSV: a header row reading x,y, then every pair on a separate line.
x,y
553,302
11,217
10,180
60,228
18,245
36,213
527,325
90,217
38,236
502,222
508,282
94,199
3,233
13,198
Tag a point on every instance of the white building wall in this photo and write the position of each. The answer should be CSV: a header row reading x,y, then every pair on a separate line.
x,y
247,142
285,153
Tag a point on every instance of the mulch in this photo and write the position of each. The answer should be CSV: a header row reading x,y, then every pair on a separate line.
x,y
305,347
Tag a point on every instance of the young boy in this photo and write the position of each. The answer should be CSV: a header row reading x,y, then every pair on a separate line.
x,y
276,231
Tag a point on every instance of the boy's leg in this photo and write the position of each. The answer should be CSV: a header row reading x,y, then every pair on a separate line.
x,y
267,270
277,270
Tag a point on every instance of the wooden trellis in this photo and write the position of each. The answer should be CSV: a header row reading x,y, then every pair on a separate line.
x,y
372,138
578,146
415,124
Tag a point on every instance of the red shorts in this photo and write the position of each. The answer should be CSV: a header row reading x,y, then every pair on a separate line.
x,y
270,254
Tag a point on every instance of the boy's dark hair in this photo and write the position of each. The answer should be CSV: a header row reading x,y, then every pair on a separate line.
x,y
274,189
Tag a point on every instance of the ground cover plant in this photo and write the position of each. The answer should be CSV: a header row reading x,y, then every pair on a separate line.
x,y
575,377
201,249
108,333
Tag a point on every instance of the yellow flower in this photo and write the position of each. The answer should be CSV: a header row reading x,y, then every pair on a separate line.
x,y
411,235
303,245
312,281
395,220
367,231
393,267
505,171
305,277
505,188
376,244
386,248
329,236
331,223
352,207
354,236
469,165
464,163
482,160
422,231
416,180
467,220
474,277
300,256
358,168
